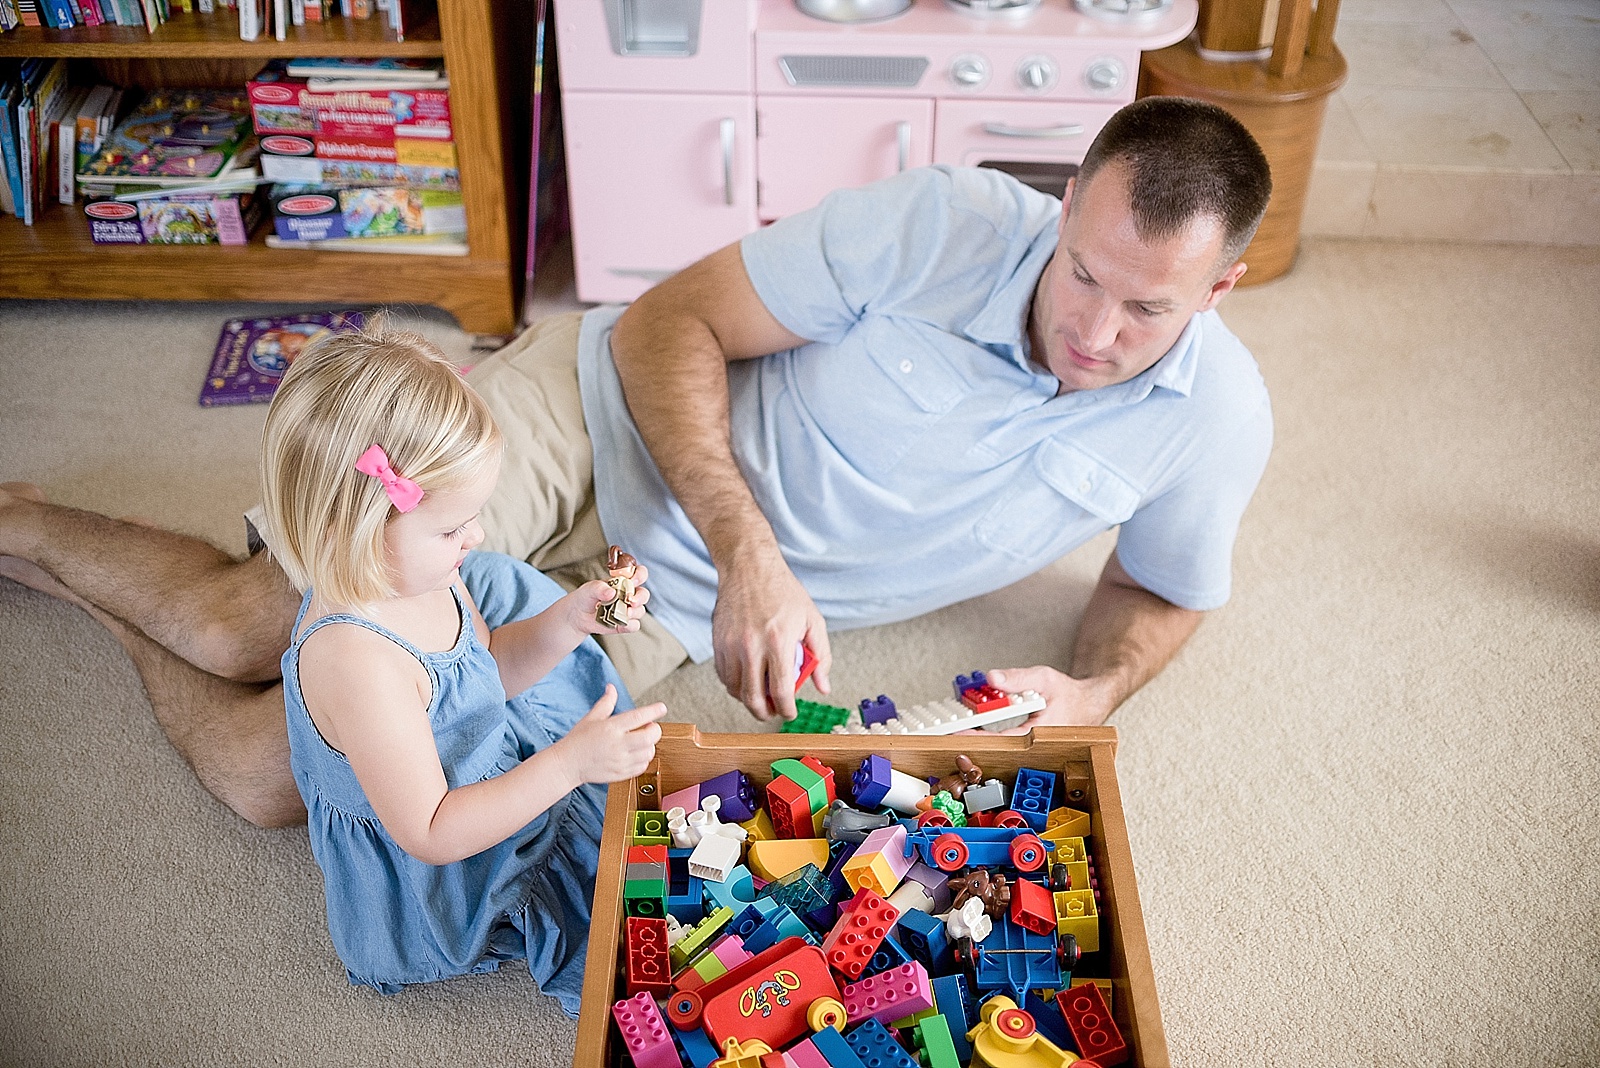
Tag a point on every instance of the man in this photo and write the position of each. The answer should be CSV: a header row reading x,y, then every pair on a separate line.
x,y
915,393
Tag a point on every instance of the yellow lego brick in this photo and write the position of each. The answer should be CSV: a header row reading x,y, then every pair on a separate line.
x,y
699,936
1077,916
872,872
781,856
709,967
1065,823
1070,849
759,827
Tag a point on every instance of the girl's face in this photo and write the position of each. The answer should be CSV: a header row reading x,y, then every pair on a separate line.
x,y
425,546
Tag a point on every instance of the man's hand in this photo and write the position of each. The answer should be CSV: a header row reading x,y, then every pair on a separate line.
x,y
762,615
1068,702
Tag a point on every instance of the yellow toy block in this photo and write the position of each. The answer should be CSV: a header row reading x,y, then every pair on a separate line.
x,y
781,856
709,967
759,827
1006,1038
1065,823
872,872
1077,916
1070,850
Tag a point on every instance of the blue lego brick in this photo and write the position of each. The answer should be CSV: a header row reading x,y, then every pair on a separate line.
x,y
877,709
685,892
950,997
1031,795
871,781
800,891
925,938
733,893
1047,1017
696,1046
891,954
975,681
833,1047
874,1045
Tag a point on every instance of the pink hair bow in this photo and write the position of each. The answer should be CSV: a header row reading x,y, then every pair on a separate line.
x,y
405,493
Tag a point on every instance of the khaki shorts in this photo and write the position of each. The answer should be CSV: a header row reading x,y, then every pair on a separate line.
x,y
543,510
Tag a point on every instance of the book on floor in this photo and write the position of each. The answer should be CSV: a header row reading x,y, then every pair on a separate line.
x,y
253,354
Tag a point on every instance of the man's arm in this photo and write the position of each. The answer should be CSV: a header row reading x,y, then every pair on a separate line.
x,y
1127,636
671,349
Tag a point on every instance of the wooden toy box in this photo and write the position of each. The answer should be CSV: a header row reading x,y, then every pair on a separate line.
x,y
1083,757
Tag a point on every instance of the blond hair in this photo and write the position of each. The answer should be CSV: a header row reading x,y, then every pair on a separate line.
x,y
343,395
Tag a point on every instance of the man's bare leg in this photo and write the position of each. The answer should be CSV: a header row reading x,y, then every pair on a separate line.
x,y
231,733
227,617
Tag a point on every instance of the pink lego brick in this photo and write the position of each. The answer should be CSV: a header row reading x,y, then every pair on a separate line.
x,y
645,1033
730,950
687,799
805,1054
891,995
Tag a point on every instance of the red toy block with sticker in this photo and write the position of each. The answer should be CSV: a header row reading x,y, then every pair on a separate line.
x,y
790,808
1091,1025
645,943
864,921
770,1003
1033,907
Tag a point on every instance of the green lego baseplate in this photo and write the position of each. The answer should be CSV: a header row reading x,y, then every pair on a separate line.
x,y
814,717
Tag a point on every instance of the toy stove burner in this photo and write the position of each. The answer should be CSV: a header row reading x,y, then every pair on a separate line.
x,y
1123,10
988,9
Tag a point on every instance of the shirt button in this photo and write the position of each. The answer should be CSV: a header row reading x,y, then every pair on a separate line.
x,y
905,367
1086,484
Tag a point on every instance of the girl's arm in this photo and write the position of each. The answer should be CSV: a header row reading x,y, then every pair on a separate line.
x,y
528,649
369,699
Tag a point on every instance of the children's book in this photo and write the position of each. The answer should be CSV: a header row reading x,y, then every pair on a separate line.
x,y
175,136
253,354
381,68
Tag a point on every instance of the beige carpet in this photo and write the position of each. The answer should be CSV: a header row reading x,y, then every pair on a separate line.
x,y
1362,801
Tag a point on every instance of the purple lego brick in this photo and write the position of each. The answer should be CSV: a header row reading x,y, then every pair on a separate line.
x,y
871,781
975,681
645,1033
936,882
876,710
738,797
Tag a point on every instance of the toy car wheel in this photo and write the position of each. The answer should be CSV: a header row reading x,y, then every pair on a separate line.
x,y
1027,852
684,1009
1015,1023
1060,878
1010,817
950,852
933,818
1067,952
826,1012
965,953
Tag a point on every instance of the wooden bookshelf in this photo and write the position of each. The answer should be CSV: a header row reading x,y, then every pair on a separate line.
x,y
487,48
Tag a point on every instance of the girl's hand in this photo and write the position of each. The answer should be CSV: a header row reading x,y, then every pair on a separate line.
x,y
591,595
606,748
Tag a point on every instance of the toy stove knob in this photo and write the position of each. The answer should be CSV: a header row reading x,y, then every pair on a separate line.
x,y
1036,73
969,71
1104,75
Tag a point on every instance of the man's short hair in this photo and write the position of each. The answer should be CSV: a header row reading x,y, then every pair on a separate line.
x,y
1185,159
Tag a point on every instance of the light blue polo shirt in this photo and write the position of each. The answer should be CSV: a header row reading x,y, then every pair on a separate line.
x,y
911,456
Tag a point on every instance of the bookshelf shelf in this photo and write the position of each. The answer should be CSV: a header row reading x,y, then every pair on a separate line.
x,y
217,35
487,50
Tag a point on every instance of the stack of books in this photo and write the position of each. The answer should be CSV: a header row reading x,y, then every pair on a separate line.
x,y
65,14
48,129
257,18
361,154
179,170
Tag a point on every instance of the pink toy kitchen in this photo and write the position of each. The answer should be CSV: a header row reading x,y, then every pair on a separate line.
x,y
690,123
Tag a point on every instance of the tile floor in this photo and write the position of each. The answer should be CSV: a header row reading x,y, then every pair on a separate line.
x,y
1463,119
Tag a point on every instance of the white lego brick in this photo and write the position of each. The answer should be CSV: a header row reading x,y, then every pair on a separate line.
x,y
714,857
948,716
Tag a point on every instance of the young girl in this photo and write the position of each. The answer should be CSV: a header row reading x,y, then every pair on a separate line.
x,y
438,736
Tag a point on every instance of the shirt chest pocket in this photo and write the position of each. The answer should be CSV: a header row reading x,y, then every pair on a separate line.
x,y
1061,498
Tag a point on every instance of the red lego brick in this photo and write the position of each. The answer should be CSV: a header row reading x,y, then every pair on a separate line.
x,y
651,854
1095,1033
984,698
826,772
645,943
1033,907
863,923
790,808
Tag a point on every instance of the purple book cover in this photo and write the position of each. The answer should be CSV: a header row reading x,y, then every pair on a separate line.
x,y
253,354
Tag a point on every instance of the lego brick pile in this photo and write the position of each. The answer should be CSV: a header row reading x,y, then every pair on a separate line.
x,y
923,924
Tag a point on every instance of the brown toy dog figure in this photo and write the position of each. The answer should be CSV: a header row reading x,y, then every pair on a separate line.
x,y
990,888
621,566
955,784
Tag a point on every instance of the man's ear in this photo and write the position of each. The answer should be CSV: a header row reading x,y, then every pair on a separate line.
x,y
1066,204
1221,287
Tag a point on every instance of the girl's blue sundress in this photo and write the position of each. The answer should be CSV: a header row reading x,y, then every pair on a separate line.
x,y
396,920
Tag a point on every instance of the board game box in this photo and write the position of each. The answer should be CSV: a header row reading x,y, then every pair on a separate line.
x,y
174,136
253,354
318,213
